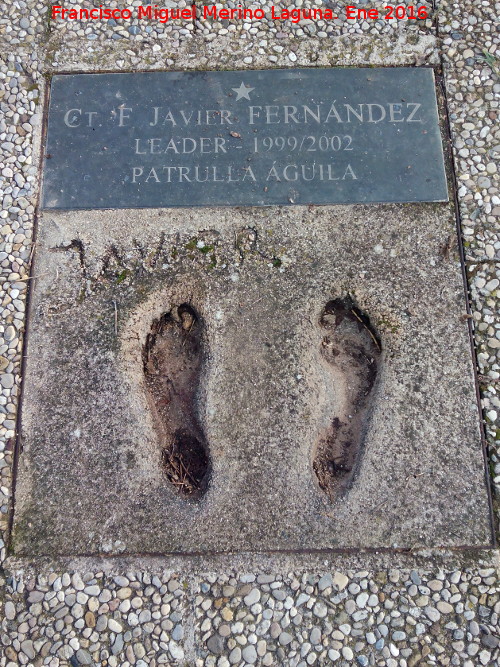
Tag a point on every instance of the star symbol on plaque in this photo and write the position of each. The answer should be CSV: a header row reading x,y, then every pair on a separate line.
x,y
243,92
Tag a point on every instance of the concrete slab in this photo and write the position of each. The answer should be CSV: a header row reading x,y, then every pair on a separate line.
x,y
260,284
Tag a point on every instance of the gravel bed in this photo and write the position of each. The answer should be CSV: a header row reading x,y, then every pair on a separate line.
x,y
471,62
394,618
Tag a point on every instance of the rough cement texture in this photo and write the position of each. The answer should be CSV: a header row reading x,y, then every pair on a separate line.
x,y
90,478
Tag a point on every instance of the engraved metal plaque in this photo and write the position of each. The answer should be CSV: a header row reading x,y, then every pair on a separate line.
x,y
256,138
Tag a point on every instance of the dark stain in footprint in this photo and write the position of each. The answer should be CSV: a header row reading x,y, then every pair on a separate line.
x,y
172,359
353,349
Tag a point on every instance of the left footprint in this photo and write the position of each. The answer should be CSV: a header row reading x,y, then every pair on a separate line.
x,y
172,361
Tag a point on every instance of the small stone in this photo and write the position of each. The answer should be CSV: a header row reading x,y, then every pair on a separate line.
x,y
350,607
11,654
139,650
320,609
474,628
224,630
249,654
326,581
235,656
10,611
28,649
472,649
490,641
227,614
117,646
490,251
101,623
252,597
114,626
215,644
90,619
340,580
484,657
444,607
492,285
35,596
383,629
432,614
315,636
414,660
176,651
145,616
361,600
84,657
124,593
415,578
347,653
275,630
285,638
7,380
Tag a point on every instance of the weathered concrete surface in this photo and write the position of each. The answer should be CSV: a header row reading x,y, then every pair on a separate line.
x,y
89,477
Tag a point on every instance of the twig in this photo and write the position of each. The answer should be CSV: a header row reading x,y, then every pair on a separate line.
x,y
484,379
21,280
414,475
367,328
446,247
374,509
187,334
32,252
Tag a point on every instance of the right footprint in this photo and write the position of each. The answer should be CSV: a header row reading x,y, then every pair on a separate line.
x,y
352,348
